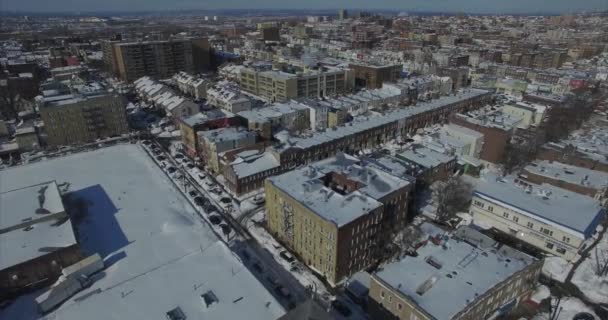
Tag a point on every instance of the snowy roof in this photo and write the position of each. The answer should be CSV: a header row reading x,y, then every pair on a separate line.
x,y
249,164
273,112
28,203
202,117
572,212
159,254
226,134
425,157
306,186
27,207
365,123
571,174
471,264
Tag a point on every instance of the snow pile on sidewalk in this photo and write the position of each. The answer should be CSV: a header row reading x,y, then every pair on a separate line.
x,y
594,287
556,268
570,307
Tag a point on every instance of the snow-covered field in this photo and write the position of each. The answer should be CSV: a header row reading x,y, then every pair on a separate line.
x,y
158,253
570,307
594,287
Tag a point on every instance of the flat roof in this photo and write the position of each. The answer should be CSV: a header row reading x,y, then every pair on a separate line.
x,y
226,134
252,164
28,203
305,186
571,174
425,157
471,264
571,211
158,252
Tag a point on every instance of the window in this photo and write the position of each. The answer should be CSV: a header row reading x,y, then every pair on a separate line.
x,y
505,214
490,208
561,250
516,219
530,225
390,298
566,239
399,306
549,245
382,294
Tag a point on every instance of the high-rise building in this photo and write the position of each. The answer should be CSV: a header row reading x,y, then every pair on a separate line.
x,y
157,59
373,76
83,117
342,14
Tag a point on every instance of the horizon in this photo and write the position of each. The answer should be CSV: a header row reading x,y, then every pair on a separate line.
x,y
473,7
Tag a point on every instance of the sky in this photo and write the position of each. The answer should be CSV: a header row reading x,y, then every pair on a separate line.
x,y
467,6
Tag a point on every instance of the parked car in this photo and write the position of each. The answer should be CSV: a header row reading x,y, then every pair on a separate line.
x,y
193,193
178,156
161,158
225,229
171,169
341,307
215,219
287,256
226,200
259,199
199,200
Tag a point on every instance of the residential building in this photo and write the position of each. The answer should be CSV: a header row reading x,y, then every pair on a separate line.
x,y
427,165
83,117
463,276
193,86
208,120
157,59
227,96
337,214
27,138
581,180
470,141
214,142
163,97
547,218
373,76
270,34
281,86
291,116
247,170
36,238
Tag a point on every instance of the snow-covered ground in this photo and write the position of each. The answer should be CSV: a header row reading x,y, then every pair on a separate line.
x,y
594,287
556,268
570,307
541,293
158,253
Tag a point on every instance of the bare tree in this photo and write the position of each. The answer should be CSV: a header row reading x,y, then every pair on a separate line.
x,y
601,262
451,196
405,239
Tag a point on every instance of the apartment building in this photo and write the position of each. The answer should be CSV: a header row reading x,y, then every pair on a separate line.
x,y
157,59
190,85
581,180
209,120
281,86
291,116
83,117
214,142
247,169
372,76
426,165
544,217
337,214
465,276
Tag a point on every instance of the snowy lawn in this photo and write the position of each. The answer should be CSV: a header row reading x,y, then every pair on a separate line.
x,y
594,287
570,307
556,268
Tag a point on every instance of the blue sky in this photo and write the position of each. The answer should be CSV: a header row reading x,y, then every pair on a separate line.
x,y
471,6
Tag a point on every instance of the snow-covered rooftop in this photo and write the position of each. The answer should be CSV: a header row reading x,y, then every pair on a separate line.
x,y
273,112
249,164
28,203
306,185
565,209
471,264
425,157
226,134
159,255
571,174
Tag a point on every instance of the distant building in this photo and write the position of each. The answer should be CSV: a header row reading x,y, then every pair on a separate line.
x,y
36,238
270,34
336,214
227,96
373,76
291,116
280,86
342,14
191,85
459,277
83,117
157,59
547,218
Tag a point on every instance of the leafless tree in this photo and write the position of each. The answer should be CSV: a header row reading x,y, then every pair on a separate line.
x,y
451,196
601,262
405,239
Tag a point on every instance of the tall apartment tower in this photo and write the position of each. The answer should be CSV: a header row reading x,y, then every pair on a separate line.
x,y
83,118
342,14
157,59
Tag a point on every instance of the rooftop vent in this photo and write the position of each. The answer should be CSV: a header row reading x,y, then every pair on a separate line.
x,y
426,285
209,298
176,314
434,262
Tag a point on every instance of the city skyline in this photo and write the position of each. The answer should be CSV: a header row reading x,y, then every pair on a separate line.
x,y
465,6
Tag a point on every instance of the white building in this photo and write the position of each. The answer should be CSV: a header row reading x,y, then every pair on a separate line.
x,y
228,97
191,85
548,218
